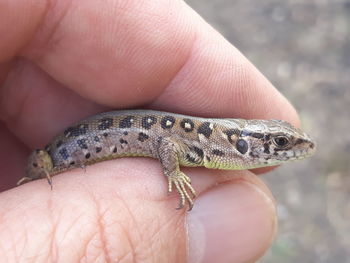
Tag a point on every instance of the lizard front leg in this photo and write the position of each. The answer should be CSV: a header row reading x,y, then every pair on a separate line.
x,y
168,154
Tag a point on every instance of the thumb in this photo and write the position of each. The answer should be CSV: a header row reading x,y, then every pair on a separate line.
x,y
119,211
233,222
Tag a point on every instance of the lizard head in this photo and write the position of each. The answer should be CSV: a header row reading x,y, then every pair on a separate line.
x,y
273,142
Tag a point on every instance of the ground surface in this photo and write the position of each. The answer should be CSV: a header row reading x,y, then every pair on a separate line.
x,y
303,47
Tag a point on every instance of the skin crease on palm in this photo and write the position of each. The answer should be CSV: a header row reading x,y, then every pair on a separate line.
x,y
64,60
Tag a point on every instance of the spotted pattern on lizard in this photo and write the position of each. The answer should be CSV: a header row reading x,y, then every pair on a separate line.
x,y
176,140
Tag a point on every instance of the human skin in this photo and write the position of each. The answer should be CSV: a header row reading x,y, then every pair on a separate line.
x,y
64,60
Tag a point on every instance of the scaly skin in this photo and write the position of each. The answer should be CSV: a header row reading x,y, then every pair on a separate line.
x,y
176,140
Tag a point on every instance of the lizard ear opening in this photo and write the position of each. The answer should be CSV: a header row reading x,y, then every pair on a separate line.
x,y
242,146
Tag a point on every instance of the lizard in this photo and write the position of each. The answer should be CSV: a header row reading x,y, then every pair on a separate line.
x,y
176,140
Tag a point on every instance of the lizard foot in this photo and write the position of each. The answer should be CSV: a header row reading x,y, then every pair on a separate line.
x,y
182,184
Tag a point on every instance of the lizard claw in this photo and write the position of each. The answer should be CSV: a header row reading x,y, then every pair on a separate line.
x,y
183,186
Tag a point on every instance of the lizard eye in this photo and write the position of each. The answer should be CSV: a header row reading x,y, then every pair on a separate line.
x,y
281,141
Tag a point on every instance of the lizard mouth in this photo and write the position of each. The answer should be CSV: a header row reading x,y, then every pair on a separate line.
x,y
296,154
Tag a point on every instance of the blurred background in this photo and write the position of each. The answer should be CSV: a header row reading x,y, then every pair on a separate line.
x,y
303,48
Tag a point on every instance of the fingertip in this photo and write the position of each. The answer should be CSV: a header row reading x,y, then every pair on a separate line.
x,y
218,81
235,222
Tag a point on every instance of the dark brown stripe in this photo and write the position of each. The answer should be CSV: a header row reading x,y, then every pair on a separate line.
x,y
218,152
126,122
82,144
188,122
122,141
253,154
142,137
257,135
59,143
283,149
98,149
190,158
76,131
148,121
105,124
252,134
64,153
114,149
266,148
198,151
299,141
205,129
167,119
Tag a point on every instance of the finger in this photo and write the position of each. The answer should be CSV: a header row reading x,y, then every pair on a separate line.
x,y
111,222
217,80
35,107
109,219
241,213
19,20
124,48
128,65
13,156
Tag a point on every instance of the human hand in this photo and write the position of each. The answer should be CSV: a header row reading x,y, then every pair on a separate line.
x,y
67,61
